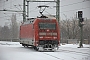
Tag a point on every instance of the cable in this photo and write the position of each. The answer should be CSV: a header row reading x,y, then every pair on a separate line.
x,y
4,16
7,15
48,3
8,2
36,7
75,3
75,9
48,13
20,6
60,6
33,9
72,3
17,7
63,6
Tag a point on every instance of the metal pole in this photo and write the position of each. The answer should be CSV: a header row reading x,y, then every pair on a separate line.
x,y
27,8
24,11
81,35
57,10
81,23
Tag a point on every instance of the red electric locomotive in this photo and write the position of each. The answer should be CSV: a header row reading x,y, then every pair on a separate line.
x,y
41,33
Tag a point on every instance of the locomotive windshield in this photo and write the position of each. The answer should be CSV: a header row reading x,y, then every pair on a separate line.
x,y
47,25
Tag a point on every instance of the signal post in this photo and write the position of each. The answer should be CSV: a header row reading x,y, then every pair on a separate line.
x,y
81,23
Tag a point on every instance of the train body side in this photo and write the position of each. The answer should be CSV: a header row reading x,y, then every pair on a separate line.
x,y
27,34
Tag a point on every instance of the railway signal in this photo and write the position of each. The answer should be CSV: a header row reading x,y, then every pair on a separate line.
x,y
81,20
80,13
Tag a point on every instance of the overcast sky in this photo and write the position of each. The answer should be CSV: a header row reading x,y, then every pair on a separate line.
x,y
68,9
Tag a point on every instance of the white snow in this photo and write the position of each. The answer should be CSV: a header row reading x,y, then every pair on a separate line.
x,y
15,51
10,44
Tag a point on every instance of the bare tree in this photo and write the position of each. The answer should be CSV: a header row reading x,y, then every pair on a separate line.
x,y
71,30
86,29
65,28
14,27
5,33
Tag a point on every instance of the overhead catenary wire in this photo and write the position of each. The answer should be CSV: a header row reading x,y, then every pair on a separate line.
x,y
6,15
60,1
17,7
62,6
9,3
48,13
75,9
74,3
20,6
33,10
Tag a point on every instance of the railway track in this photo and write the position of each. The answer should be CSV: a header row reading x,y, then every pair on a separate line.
x,y
76,51
72,57
60,58
85,56
53,56
61,50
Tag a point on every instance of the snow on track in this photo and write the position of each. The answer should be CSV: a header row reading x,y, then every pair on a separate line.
x,y
15,51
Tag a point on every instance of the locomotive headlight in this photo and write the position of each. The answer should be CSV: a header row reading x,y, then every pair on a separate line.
x,y
55,37
42,33
54,33
40,37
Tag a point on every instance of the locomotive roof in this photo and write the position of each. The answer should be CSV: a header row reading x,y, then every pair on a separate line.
x,y
46,18
31,20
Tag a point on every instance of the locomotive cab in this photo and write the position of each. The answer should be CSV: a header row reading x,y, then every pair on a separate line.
x,y
47,34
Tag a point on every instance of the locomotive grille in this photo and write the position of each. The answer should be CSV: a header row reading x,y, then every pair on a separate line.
x,y
42,42
49,33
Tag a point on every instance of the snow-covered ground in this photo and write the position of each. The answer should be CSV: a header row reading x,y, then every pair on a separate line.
x,y
15,51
